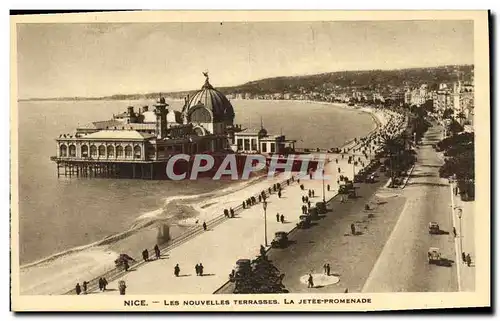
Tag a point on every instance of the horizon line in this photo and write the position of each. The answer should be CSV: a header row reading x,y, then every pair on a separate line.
x,y
229,86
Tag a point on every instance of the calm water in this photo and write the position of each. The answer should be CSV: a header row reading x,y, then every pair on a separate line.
x,y
58,214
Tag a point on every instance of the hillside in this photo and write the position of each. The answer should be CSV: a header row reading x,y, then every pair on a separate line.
x,y
382,80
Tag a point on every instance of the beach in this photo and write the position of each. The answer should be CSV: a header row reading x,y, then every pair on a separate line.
x,y
181,212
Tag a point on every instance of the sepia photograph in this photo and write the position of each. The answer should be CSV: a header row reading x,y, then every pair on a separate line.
x,y
250,161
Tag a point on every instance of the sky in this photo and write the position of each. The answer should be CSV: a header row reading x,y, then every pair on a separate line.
x,y
89,60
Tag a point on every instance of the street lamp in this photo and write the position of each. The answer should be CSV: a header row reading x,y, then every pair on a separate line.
x,y
324,186
460,218
264,205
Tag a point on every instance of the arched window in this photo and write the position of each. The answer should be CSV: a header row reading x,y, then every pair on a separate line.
x,y
119,151
128,151
85,151
102,151
72,151
200,115
111,151
137,151
93,151
63,151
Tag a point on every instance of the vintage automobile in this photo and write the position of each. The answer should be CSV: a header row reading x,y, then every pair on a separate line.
x,y
280,240
370,179
346,188
321,207
433,255
434,228
242,268
313,213
304,221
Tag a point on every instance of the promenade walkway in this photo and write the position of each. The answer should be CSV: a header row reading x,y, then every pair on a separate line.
x,y
466,234
221,246
218,248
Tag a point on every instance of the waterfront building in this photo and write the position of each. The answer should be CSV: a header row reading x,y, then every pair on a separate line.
x,y
139,144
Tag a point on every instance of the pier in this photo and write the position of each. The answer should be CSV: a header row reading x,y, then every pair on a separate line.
x,y
105,168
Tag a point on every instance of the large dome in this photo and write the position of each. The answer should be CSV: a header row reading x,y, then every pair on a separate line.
x,y
213,100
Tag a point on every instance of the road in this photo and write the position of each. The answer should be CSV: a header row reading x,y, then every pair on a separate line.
x,y
403,266
350,257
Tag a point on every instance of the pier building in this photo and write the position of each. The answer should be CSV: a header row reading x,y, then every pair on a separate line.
x,y
138,144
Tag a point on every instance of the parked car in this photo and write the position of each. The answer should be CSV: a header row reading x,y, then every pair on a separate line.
x,y
304,221
434,228
434,255
321,207
242,268
280,240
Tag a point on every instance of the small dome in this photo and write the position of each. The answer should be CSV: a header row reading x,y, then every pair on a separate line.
x,y
262,132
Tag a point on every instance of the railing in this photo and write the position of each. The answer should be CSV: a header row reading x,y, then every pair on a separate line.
x,y
118,272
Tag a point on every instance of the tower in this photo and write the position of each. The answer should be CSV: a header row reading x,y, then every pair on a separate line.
x,y
161,118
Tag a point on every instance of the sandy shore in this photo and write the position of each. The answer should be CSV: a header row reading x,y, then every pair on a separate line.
x,y
59,274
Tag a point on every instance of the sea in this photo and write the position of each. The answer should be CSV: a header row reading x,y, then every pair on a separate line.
x,y
57,214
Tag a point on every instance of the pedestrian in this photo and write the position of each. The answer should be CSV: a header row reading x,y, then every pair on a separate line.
x,y
338,170
328,269
353,229
78,289
454,232
282,218
468,259
308,204
201,269
464,258
85,283
232,212
197,269
336,160
277,217
303,199
125,265
104,284
312,192
243,205
260,198
100,284
145,255
310,282
328,187
262,250
302,186
204,226
157,251
346,290
324,268
298,180
177,270
279,194
226,213
122,287
309,193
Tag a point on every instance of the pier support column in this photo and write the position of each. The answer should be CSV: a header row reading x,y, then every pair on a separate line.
x,y
163,235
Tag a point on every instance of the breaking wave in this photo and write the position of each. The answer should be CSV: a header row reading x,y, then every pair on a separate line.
x,y
174,210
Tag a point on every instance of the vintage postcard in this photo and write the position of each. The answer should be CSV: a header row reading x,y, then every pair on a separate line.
x,y
250,161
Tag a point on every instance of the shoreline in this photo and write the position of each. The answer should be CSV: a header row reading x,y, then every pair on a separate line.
x,y
134,229
111,243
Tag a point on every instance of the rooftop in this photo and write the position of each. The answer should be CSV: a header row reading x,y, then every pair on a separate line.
x,y
118,134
